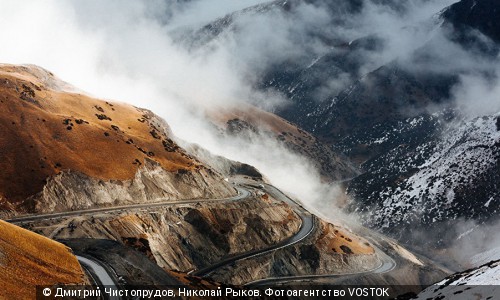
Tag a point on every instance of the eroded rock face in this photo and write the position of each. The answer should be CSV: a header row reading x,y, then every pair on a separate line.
x,y
71,190
188,236
330,250
288,262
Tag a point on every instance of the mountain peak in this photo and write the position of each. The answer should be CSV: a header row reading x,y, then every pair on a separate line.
x,y
482,15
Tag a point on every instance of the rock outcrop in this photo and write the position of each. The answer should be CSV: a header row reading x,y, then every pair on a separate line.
x,y
188,236
74,190
330,250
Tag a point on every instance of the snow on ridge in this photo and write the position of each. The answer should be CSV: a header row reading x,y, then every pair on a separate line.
x,y
464,153
479,283
486,256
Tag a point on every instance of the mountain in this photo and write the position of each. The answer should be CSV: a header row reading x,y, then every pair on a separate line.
x,y
450,177
195,38
250,122
479,282
424,164
135,226
57,141
433,169
106,177
473,15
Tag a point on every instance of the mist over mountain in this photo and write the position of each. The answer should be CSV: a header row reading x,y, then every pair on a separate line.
x,y
376,113
407,90
385,83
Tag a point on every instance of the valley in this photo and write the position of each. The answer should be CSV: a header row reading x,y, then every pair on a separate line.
x,y
250,145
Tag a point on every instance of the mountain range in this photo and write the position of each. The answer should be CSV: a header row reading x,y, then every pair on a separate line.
x,y
424,163
395,108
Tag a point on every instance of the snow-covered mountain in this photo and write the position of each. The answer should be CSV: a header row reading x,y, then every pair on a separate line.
x,y
479,283
450,177
426,164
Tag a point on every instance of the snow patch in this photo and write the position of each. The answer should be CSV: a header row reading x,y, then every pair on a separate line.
x,y
485,257
483,282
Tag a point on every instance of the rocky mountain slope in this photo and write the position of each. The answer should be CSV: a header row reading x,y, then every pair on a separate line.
x,y
469,15
78,153
250,122
435,169
332,249
425,163
28,260
185,237
188,237
481,282
452,177
421,164
59,142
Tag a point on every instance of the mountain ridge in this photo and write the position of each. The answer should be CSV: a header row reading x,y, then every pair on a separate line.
x,y
48,131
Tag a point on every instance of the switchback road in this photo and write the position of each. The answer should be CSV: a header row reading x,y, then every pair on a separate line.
x,y
307,227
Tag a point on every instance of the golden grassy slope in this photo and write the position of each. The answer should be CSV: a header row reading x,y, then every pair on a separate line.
x,y
244,119
265,120
46,130
28,259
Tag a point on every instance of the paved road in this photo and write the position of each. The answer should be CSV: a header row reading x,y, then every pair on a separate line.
x,y
97,270
309,224
242,194
387,264
95,267
307,227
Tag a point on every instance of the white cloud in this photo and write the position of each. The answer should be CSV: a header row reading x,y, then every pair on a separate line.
x,y
121,50
477,94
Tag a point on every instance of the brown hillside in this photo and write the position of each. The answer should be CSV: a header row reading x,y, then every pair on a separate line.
x,y
28,259
46,130
246,119
261,120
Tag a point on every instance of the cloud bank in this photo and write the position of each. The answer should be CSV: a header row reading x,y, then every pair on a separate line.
x,y
122,50
127,50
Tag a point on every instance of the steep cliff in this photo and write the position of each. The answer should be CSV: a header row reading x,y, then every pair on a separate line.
x,y
185,236
70,190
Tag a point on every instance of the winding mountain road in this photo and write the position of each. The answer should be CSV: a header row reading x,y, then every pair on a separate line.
x,y
100,273
387,264
97,269
308,226
309,223
306,229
